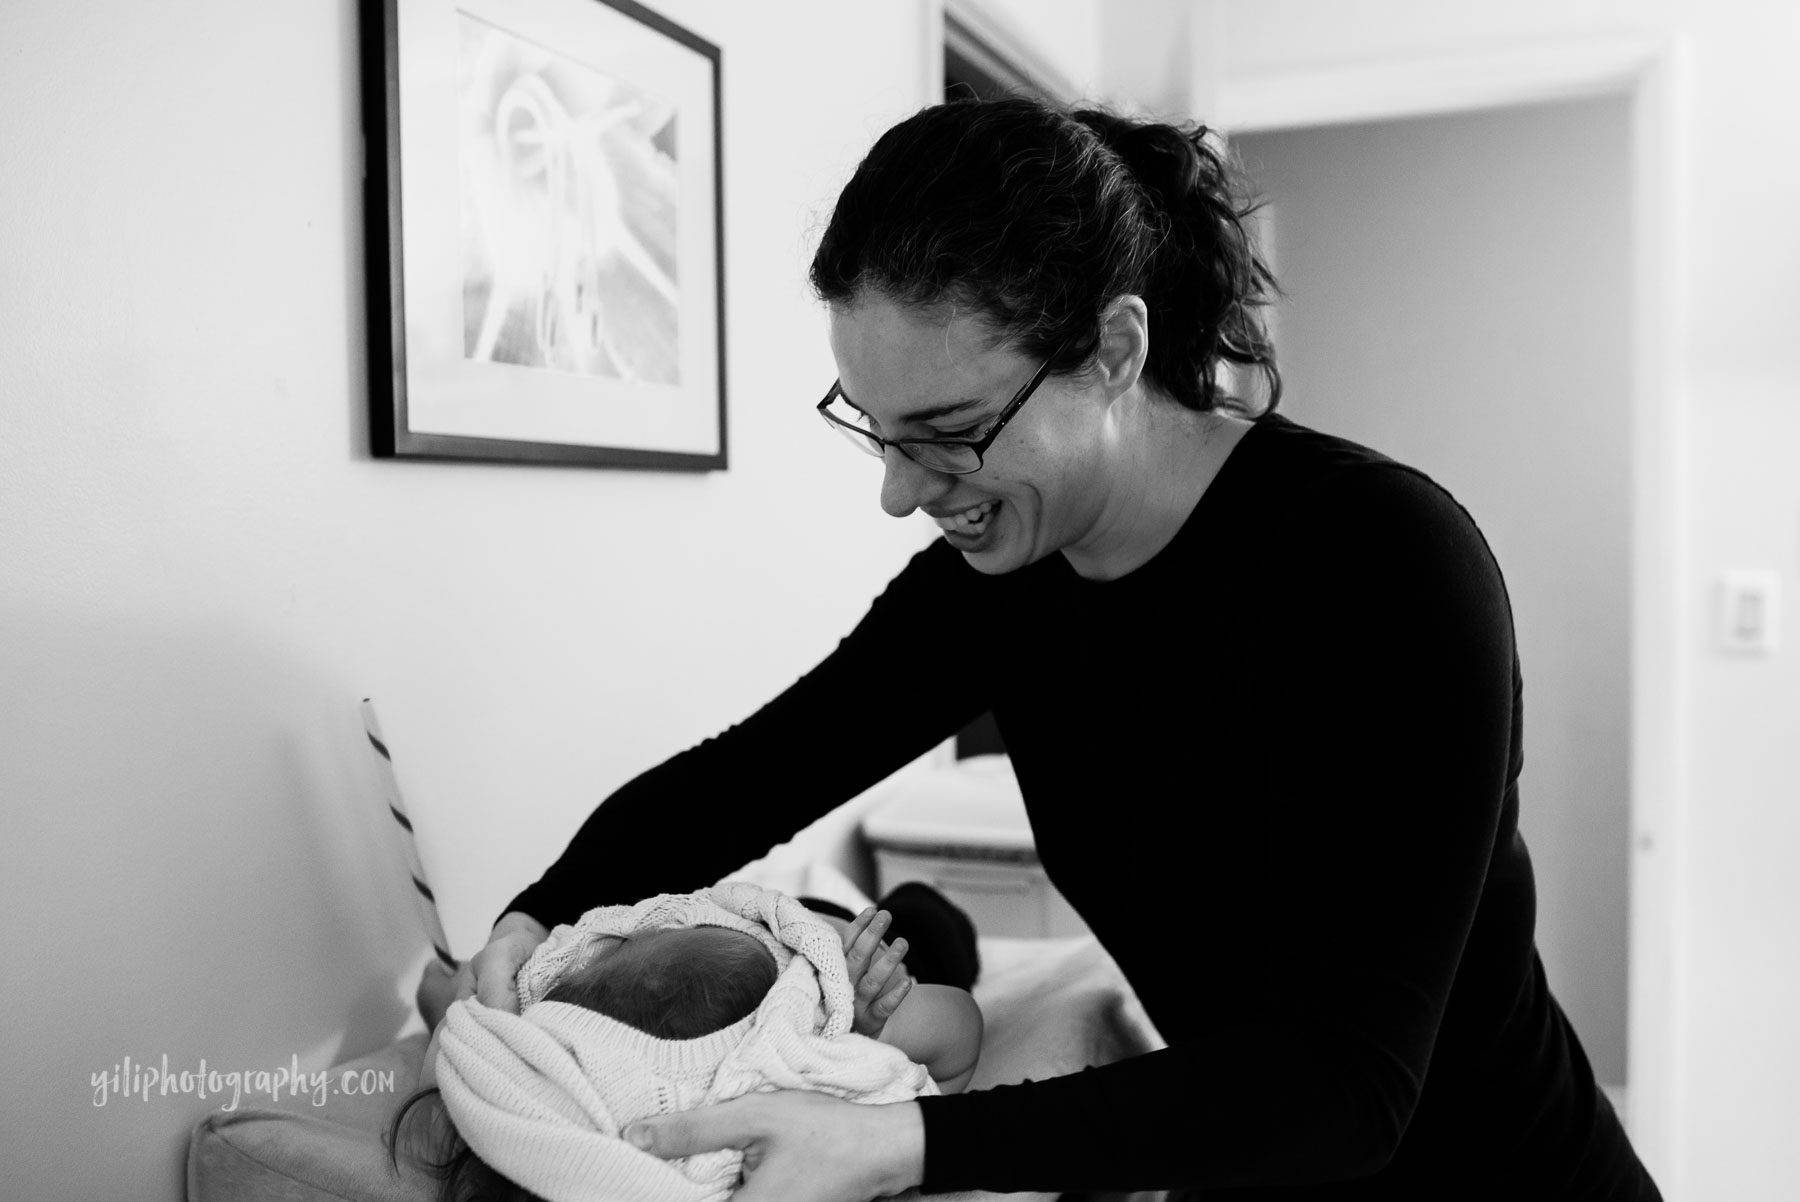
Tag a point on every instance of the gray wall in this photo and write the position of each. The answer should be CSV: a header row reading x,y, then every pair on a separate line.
x,y
1457,298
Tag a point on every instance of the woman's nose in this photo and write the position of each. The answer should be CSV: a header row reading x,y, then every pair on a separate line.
x,y
906,485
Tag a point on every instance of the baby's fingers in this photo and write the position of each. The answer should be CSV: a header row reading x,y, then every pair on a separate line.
x,y
862,950
883,1007
881,971
857,926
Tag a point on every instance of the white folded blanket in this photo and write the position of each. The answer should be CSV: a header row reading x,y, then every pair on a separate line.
x,y
543,1095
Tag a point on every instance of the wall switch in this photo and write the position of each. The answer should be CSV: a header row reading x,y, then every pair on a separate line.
x,y
1748,613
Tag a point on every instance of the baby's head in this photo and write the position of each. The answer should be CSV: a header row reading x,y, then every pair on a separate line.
x,y
674,983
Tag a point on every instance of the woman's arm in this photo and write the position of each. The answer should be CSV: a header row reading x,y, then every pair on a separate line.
x,y
854,719
1358,797
1369,786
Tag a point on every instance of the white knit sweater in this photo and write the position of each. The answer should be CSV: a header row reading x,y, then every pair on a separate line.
x,y
543,1095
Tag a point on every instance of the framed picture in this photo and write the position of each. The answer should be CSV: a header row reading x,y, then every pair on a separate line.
x,y
546,270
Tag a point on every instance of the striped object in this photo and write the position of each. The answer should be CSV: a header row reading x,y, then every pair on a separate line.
x,y
390,785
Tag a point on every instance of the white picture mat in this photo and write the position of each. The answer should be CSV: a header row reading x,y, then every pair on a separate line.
x,y
449,394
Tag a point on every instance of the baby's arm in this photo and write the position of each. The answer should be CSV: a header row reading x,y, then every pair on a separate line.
x,y
938,1026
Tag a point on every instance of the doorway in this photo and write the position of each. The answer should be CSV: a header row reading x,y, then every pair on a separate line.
x,y
1459,297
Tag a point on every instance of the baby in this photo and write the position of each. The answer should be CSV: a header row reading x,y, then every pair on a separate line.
x,y
686,983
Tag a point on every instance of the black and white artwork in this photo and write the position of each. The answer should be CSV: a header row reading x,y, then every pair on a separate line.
x,y
549,235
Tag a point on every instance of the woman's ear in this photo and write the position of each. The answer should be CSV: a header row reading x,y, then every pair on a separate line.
x,y
1124,344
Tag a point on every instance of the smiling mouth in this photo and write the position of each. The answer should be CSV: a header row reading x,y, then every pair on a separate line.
x,y
970,521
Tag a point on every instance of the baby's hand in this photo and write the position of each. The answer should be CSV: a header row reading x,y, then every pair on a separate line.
x,y
881,984
437,989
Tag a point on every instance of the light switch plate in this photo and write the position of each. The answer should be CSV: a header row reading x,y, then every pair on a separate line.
x,y
1748,612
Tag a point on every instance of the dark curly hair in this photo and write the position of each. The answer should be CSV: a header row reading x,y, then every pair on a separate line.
x,y
1039,217
677,983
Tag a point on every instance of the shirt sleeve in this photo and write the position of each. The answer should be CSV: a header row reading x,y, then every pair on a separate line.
x,y
1379,802
869,708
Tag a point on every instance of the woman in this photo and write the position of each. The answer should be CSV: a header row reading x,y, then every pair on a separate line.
x,y
1258,683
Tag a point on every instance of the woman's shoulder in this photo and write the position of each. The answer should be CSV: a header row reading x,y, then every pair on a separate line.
x,y
1330,503
1320,481
1344,537
1291,457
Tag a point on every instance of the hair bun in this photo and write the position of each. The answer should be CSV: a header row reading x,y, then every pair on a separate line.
x,y
1038,216
1173,164
1208,265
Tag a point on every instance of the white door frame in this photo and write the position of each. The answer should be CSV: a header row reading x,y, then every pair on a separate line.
x,y
1649,72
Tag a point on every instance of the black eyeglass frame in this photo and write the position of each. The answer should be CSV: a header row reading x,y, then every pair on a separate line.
x,y
877,445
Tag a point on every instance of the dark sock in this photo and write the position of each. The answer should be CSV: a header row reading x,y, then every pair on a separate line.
x,y
819,905
940,938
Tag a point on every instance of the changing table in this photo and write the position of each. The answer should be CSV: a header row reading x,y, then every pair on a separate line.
x,y
964,831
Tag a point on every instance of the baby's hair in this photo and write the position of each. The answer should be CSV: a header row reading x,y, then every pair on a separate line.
x,y
461,1175
676,983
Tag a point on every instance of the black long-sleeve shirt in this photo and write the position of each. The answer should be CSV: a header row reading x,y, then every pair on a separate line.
x,y
1275,769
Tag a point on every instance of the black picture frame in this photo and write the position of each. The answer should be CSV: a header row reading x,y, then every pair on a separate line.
x,y
580,140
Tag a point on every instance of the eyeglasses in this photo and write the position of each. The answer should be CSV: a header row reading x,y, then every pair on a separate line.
x,y
951,456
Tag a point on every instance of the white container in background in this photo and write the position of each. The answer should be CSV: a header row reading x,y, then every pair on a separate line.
x,y
963,830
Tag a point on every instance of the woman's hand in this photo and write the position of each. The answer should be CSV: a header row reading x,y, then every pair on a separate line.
x,y
799,1146
492,975
875,973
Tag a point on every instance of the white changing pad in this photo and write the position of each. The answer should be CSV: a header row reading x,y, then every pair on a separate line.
x,y
1052,1006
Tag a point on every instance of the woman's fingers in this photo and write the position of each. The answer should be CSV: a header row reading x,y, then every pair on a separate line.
x,y
496,969
723,1125
799,1146
496,984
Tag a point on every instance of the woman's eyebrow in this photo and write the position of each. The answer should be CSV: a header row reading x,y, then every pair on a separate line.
x,y
923,415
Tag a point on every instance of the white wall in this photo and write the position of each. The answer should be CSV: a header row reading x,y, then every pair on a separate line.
x,y
202,569
1133,55
1737,262
1457,296
1062,34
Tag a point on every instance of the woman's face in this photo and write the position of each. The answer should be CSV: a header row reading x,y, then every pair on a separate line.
x,y
1043,480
